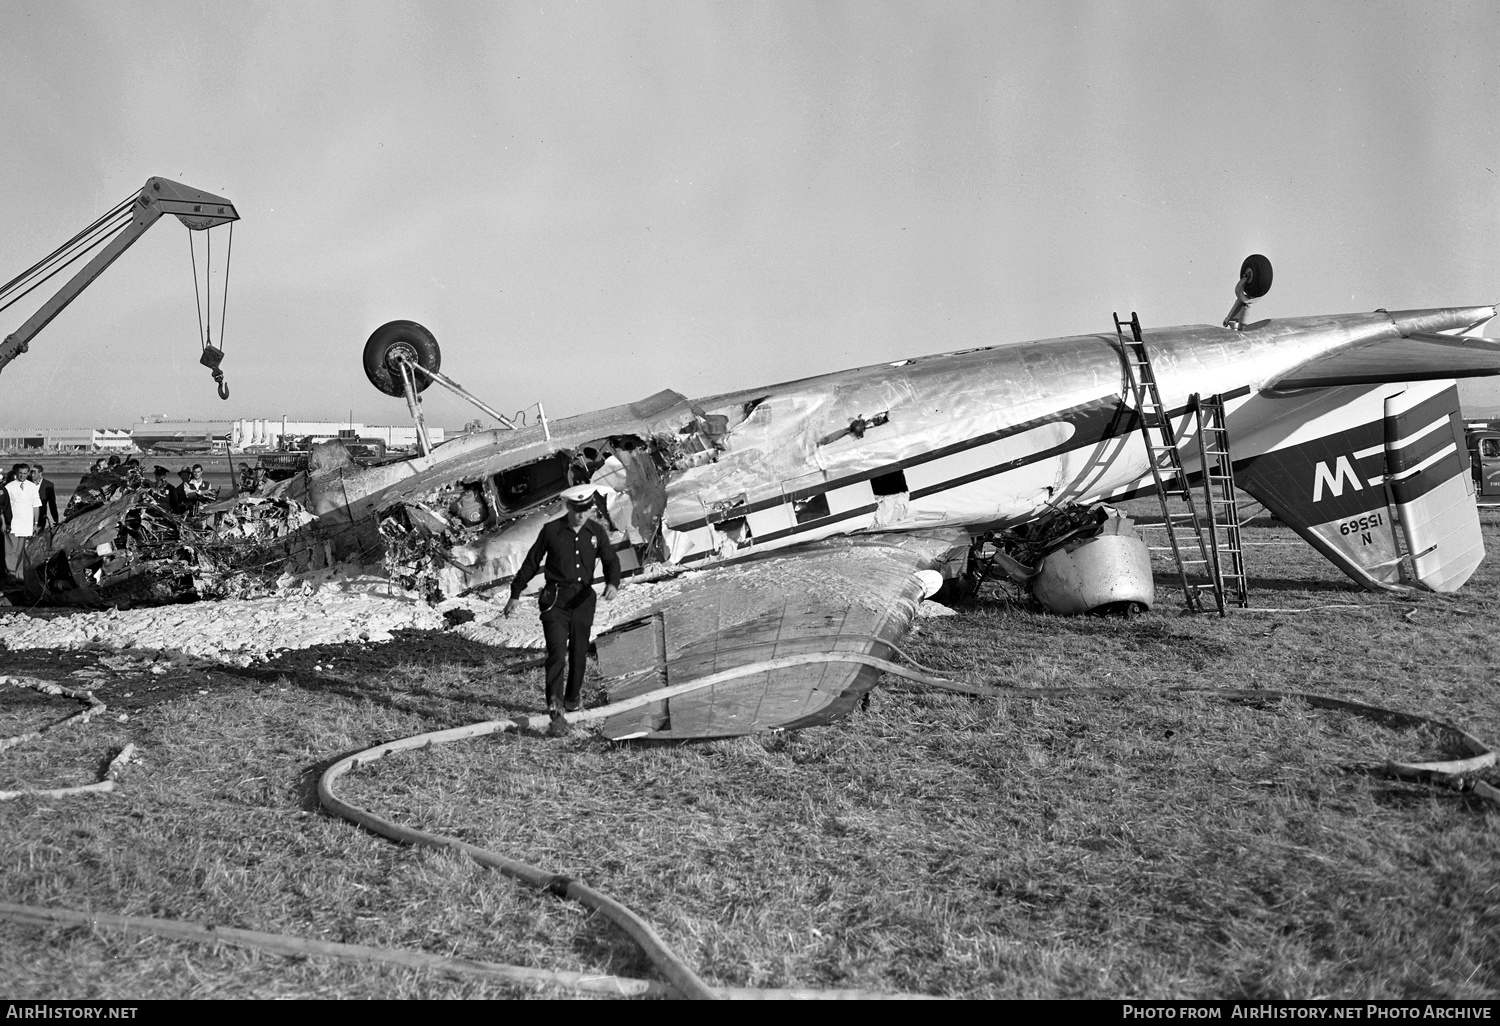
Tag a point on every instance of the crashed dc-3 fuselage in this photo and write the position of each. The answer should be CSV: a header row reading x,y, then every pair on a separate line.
x,y
1334,421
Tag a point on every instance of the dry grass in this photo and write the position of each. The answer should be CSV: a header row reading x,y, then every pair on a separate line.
x,y
1147,845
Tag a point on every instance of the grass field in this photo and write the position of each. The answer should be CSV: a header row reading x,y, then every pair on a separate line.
x,y
1130,844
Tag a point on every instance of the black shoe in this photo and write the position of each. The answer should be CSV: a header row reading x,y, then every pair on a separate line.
x,y
573,706
559,727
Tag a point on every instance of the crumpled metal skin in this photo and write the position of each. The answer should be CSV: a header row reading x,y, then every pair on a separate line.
x,y
132,550
759,448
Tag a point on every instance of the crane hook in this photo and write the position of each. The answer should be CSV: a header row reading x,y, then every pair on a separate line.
x,y
223,390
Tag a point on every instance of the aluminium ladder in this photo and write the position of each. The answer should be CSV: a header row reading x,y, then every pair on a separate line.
x,y
1184,530
1221,504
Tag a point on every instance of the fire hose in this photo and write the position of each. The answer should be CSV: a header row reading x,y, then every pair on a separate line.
x,y
682,981
1455,773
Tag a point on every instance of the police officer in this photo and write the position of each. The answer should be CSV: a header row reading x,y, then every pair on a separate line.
x,y
567,548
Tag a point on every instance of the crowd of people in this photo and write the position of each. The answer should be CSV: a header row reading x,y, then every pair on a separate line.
x,y
28,506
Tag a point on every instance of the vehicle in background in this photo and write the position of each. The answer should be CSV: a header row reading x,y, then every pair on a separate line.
x,y
291,456
1483,440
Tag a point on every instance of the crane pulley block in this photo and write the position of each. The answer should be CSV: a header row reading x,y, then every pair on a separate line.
x,y
116,230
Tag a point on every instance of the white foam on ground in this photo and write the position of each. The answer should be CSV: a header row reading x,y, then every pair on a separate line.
x,y
337,607
345,606
237,632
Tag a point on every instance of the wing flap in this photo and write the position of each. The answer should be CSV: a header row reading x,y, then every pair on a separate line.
x,y
1416,357
852,594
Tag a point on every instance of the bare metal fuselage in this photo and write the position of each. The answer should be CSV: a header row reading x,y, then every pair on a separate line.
x,y
979,439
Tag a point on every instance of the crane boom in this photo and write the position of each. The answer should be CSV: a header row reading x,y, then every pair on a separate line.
x,y
197,209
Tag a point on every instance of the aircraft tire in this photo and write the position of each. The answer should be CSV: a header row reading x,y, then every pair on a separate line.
x,y
1259,269
404,337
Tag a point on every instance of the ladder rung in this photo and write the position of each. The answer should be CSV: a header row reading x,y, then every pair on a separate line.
x,y
1185,531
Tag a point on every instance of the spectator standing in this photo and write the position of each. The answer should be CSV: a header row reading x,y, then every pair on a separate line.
x,y
47,498
20,519
197,489
179,498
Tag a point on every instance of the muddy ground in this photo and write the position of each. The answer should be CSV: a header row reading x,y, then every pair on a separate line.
x,y
131,681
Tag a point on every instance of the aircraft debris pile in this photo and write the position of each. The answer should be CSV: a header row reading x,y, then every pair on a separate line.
x,y
1077,559
100,486
123,543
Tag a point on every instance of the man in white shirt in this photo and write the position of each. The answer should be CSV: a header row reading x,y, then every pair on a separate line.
x,y
196,488
23,500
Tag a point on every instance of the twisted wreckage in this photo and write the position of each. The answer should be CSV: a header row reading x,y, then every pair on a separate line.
x,y
820,511
124,541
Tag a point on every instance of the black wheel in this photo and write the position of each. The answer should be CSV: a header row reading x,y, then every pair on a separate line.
x,y
1258,270
395,339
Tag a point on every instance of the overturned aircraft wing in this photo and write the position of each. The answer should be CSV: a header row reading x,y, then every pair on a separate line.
x,y
852,594
1416,357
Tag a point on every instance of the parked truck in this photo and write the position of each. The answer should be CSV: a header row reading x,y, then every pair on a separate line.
x,y
1483,440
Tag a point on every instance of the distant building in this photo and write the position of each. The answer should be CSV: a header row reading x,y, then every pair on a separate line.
x,y
252,434
157,430
76,439
217,434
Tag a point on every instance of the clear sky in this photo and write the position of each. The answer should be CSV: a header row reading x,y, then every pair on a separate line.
x,y
590,201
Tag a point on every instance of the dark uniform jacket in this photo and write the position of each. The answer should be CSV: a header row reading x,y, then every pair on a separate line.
x,y
48,495
568,558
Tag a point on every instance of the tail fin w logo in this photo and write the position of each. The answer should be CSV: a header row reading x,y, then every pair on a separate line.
x,y
1333,480
1381,456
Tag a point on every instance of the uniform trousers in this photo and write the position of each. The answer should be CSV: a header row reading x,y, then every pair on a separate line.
x,y
15,555
566,623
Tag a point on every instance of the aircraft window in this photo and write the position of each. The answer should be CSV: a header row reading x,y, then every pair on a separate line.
x,y
893,483
529,484
814,507
1489,448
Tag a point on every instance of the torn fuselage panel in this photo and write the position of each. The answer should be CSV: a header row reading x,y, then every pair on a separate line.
x,y
475,532
492,490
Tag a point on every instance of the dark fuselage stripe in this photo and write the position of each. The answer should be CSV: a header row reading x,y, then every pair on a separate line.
x,y
1092,424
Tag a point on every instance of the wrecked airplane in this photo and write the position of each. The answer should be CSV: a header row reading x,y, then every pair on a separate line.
x,y
126,542
1342,426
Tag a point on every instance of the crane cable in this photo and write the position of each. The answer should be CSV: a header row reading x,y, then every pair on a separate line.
x,y
96,233
209,354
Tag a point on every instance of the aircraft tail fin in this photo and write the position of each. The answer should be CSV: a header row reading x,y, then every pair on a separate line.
x,y
1431,486
1369,460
